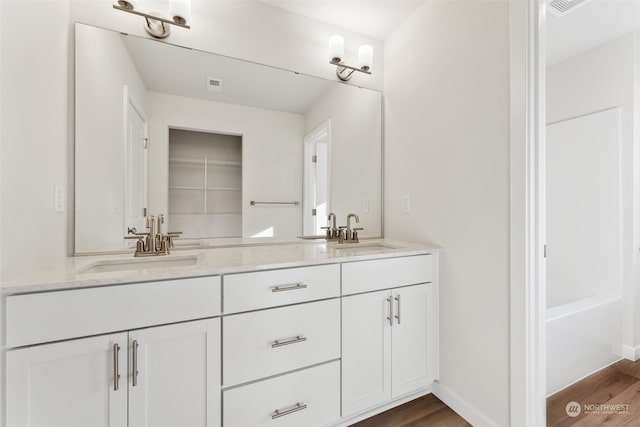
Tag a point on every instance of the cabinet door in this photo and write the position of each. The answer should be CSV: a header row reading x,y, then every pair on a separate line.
x,y
411,352
366,351
68,384
177,380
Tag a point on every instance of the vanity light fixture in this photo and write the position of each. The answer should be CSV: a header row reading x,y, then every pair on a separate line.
x,y
155,23
344,71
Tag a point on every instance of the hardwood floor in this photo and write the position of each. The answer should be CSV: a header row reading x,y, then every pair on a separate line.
x,y
610,397
424,411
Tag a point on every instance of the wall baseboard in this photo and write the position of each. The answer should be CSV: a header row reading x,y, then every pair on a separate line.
x,y
461,406
631,353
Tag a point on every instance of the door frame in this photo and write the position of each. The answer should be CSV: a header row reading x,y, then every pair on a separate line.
x,y
131,101
324,127
527,213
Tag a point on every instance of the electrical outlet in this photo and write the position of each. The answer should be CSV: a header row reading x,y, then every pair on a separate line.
x,y
406,204
58,198
365,205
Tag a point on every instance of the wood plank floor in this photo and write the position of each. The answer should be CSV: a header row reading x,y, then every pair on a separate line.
x,y
611,396
424,411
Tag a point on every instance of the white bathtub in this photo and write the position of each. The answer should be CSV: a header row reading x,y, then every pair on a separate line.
x,y
582,337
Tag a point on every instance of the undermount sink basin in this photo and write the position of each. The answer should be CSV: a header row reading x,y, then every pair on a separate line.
x,y
363,247
140,264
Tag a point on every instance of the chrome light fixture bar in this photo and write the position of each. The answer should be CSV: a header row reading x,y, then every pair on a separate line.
x,y
344,71
155,23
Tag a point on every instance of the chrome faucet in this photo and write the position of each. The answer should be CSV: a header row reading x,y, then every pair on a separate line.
x,y
153,242
332,232
350,234
151,238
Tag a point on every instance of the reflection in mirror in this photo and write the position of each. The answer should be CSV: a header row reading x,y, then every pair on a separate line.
x,y
316,179
205,184
150,116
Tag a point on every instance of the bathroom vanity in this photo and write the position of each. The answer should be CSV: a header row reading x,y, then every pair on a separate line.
x,y
300,334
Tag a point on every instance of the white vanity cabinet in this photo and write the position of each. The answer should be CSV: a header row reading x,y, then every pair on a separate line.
x,y
281,360
388,337
311,345
165,375
162,376
175,377
68,384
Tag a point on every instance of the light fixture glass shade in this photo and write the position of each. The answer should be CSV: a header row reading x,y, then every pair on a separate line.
x,y
180,11
336,48
128,4
365,57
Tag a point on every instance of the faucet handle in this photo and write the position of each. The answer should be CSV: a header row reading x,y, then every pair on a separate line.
x,y
354,234
131,230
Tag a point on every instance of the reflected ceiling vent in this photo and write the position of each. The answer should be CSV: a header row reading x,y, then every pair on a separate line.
x,y
561,7
214,85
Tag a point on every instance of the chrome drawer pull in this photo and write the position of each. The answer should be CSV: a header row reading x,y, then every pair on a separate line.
x,y
289,287
390,317
297,339
135,372
282,412
397,316
116,370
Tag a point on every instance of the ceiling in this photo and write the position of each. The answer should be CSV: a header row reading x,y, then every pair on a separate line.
x,y
592,24
244,83
373,18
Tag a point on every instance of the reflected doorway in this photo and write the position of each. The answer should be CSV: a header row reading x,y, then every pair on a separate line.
x,y
316,207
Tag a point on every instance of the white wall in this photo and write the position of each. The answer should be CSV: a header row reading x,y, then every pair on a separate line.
x,y
596,80
446,145
583,199
356,153
37,41
35,132
269,137
103,68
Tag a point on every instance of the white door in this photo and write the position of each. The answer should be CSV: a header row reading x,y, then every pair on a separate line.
x,y
136,175
366,351
178,375
411,355
316,203
68,384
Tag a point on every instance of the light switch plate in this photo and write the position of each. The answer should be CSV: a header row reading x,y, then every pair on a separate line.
x,y
58,198
365,205
406,204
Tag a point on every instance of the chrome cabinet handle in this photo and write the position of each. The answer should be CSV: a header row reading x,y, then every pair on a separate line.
x,y
288,287
297,339
135,372
390,317
282,412
397,316
116,371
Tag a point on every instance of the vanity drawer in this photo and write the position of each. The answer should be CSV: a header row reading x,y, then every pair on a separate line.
x,y
365,276
58,315
269,342
315,390
262,289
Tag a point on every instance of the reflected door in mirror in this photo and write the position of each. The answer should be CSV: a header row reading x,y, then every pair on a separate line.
x,y
316,177
136,172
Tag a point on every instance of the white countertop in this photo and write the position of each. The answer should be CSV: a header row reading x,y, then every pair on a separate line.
x,y
71,272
